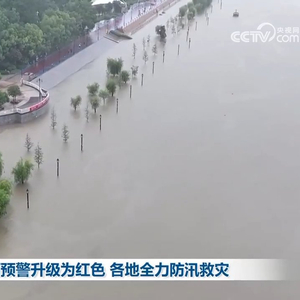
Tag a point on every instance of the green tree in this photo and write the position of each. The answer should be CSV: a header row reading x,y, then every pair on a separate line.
x,y
58,27
87,113
53,118
75,102
199,8
38,155
125,76
154,49
114,66
93,89
4,200
134,70
22,170
134,49
65,133
144,43
191,13
6,186
20,44
145,56
190,5
1,164
28,9
94,100
3,98
182,11
173,29
28,142
83,12
103,94
111,86
14,91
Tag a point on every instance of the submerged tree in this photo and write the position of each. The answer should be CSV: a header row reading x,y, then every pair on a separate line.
x,y
111,86
148,40
87,112
22,170
38,155
94,100
125,76
28,142
183,10
173,29
103,94
144,43
53,118
145,56
114,66
65,133
1,164
75,102
134,49
93,89
134,70
5,193
191,13
154,49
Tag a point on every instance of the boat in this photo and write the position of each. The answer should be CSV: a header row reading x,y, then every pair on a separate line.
x,y
236,13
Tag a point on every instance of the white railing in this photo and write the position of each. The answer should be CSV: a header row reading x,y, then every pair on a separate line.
x,y
33,85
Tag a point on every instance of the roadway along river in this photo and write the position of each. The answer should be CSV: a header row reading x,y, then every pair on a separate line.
x,y
202,162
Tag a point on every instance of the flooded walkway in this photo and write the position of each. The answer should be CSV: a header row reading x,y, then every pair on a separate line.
x,y
202,162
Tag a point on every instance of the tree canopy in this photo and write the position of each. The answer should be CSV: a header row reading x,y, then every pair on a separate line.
x,y
22,171
5,189
31,28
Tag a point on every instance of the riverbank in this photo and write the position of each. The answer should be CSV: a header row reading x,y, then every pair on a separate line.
x,y
72,65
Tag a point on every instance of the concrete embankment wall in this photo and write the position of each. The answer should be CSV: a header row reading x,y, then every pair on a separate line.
x,y
23,115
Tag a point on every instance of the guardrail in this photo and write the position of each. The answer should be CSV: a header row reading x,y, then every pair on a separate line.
x,y
35,86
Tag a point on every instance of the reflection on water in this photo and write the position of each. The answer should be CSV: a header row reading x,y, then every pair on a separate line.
x,y
201,162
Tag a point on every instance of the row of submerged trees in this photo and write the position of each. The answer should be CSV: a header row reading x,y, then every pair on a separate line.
x,y
115,77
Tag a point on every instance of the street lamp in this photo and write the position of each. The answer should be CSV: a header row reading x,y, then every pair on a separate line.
x,y
86,34
39,81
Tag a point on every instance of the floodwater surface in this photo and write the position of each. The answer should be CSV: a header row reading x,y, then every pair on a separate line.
x,y
202,162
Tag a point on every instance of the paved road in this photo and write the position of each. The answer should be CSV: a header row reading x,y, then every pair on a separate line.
x,y
75,63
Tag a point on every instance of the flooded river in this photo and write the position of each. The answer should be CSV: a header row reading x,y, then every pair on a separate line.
x,y
202,162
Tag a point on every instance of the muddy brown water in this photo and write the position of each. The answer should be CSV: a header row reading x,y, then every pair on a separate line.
x,y
202,162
